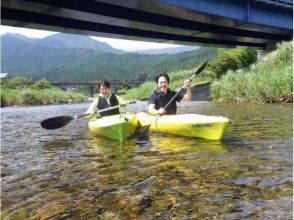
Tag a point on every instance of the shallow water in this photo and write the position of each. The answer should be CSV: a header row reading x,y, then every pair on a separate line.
x,y
69,174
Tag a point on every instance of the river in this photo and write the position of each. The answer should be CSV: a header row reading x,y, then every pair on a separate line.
x,y
70,174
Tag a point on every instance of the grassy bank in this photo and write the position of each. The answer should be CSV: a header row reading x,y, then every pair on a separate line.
x,y
17,92
270,80
10,97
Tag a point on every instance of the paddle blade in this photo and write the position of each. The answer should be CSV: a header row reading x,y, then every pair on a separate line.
x,y
56,122
143,130
201,68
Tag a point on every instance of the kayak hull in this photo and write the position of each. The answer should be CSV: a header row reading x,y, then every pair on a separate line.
x,y
191,125
116,127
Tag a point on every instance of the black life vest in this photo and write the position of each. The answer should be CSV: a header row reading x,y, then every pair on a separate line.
x,y
102,104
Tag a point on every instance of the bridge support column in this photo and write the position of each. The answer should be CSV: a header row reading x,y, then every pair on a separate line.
x,y
269,48
92,90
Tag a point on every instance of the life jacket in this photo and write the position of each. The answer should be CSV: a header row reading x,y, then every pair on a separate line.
x,y
102,104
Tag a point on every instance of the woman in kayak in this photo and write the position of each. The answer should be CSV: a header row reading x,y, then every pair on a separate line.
x,y
105,100
160,97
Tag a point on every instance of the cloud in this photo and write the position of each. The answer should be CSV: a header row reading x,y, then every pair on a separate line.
x,y
126,45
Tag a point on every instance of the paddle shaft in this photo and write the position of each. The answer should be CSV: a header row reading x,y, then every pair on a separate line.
x,y
99,111
104,110
61,121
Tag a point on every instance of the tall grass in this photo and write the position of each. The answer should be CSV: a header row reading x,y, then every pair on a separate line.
x,y
140,93
268,81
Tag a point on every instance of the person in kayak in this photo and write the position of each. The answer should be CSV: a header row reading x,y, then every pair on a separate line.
x,y
105,100
160,97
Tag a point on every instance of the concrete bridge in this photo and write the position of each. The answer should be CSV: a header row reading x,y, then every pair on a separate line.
x,y
92,87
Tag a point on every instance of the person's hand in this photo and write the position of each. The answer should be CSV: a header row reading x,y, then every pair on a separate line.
x,y
188,84
161,111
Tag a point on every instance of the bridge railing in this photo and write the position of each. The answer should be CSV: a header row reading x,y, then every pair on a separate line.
x,y
282,3
93,83
92,87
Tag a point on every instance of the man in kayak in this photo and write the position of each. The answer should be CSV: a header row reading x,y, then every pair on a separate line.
x,y
105,100
160,97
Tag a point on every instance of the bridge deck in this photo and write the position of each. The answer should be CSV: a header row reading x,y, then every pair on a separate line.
x,y
202,22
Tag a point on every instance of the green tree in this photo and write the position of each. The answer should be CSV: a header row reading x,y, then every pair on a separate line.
x,y
233,59
41,84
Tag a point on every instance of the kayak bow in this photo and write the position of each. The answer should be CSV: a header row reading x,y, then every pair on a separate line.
x,y
116,127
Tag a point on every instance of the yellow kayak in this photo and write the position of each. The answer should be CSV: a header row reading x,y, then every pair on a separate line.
x,y
117,127
191,125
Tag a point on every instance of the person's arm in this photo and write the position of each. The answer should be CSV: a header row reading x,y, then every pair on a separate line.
x,y
188,95
153,111
151,106
121,101
93,107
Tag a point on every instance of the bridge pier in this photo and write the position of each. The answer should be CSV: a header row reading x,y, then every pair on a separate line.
x,y
201,92
269,48
91,89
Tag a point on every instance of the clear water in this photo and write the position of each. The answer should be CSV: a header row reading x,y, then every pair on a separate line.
x,y
69,174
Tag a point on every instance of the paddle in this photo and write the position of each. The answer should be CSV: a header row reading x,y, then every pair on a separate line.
x,y
145,129
61,121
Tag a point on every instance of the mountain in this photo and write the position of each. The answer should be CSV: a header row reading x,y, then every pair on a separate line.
x,y
25,55
68,41
73,58
173,50
62,41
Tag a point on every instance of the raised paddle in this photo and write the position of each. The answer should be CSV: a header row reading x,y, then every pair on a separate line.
x,y
145,129
61,121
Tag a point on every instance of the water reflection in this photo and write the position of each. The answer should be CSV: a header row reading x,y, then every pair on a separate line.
x,y
68,173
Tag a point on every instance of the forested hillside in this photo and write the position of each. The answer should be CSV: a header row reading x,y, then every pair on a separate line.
x,y
63,58
128,67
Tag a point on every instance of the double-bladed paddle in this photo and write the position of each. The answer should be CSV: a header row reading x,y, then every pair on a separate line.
x,y
61,121
198,71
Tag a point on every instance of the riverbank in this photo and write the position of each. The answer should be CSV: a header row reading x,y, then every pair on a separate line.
x,y
270,80
16,91
24,97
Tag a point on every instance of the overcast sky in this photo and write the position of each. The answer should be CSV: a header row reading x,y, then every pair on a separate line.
x,y
126,45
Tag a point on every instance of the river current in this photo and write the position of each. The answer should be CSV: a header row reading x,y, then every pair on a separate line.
x,y
70,174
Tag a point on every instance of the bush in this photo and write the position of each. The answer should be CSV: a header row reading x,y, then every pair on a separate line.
x,y
233,59
41,84
224,63
29,97
247,56
16,82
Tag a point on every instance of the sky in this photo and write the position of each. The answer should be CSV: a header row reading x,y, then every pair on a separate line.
x,y
126,45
